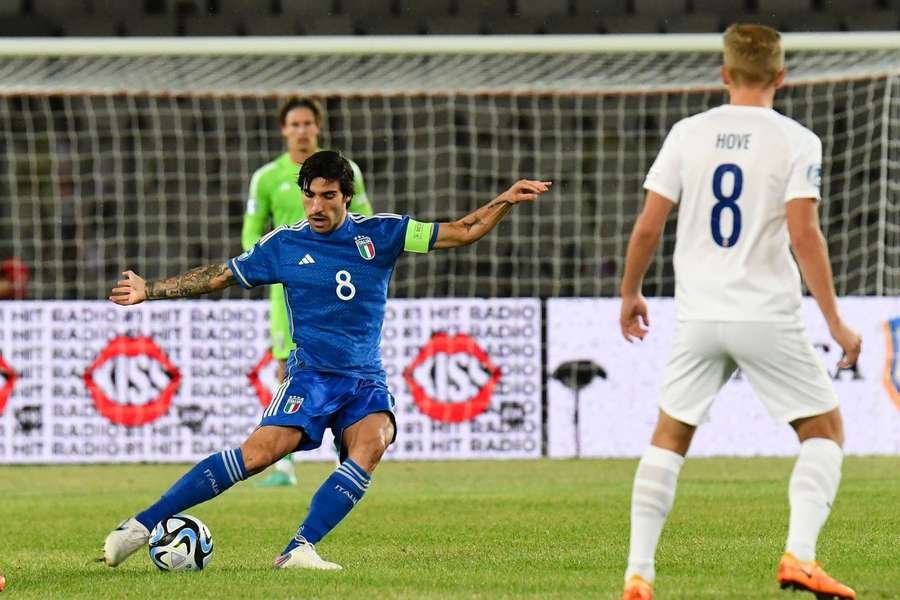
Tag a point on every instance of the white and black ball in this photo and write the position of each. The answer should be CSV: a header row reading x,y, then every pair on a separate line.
x,y
181,543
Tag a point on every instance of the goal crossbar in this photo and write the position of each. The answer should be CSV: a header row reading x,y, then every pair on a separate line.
x,y
417,45
417,66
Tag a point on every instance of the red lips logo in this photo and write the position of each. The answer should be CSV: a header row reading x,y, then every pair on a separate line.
x,y
8,378
262,378
132,381
452,378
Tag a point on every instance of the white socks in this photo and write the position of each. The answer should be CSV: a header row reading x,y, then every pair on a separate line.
x,y
812,489
651,500
813,486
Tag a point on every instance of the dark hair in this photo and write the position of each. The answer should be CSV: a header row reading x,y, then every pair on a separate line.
x,y
300,102
330,166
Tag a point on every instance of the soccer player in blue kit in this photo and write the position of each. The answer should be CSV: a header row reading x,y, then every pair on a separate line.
x,y
335,267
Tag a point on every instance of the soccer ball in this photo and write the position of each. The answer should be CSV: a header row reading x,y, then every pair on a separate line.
x,y
181,543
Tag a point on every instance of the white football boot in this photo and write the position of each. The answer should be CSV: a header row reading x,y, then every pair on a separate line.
x,y
305,556
123,541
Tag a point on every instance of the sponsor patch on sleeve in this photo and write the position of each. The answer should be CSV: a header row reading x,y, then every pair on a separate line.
x,y
814,175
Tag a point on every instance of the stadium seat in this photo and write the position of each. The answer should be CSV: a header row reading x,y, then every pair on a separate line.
x,y
363,9
118,9
771,19
783,7
247,9
516,25
692,23
10,7
278,25
90,26
630,24
726,9
424,8
308,9
812,21
59,8
328,25
157,25
659,8
27,26
189,7
541,8
482,9
882,20
210,25
390,26
845,8
454,26
600,8
566,24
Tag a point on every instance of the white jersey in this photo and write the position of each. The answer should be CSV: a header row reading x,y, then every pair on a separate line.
x,y
733,169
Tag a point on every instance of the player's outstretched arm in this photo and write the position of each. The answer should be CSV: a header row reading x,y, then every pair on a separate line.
x,y
633,318
811,253
201,280
476,225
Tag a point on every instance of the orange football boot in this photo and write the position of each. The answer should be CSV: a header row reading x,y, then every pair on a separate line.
x,y
809,576
637,589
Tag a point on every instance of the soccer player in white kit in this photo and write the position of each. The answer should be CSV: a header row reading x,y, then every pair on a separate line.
x,y
747,182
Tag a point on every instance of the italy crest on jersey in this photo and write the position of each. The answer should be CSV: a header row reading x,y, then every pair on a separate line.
x,y
293,404
365,246
892,361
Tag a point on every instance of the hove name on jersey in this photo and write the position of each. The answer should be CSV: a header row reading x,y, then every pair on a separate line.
x,y
733,141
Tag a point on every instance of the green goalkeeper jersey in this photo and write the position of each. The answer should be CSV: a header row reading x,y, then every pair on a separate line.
x,y
275,196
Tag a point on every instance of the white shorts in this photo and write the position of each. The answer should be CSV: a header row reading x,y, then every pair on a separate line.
x,y
776,358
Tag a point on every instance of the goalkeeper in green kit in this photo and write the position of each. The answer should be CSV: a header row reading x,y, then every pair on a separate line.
x,y
275,196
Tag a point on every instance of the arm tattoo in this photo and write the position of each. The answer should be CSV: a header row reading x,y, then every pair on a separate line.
x,y
192,283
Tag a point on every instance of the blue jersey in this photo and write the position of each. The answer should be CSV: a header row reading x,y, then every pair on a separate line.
x,y
335,285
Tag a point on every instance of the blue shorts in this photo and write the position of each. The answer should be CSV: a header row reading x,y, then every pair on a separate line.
x,y
313,400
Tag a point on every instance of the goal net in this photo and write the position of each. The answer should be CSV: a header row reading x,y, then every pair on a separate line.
x,y
121,154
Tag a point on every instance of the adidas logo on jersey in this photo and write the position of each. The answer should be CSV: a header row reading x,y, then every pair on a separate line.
x,y
307,260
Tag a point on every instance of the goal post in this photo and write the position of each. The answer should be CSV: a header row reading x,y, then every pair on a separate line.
x,y
137,153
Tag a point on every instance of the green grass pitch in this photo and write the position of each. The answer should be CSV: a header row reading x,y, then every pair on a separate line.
x,y
524,529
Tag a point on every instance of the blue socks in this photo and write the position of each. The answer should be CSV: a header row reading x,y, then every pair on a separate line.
x,y
209,478
335,498
216,473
